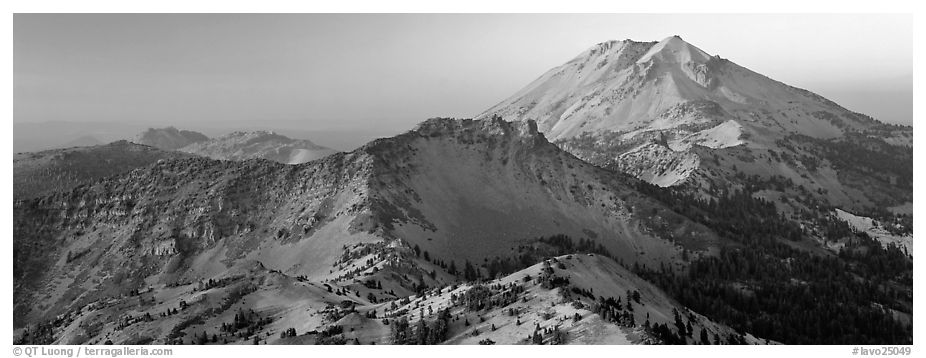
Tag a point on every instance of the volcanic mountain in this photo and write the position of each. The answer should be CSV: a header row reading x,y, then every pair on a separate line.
x,y
670,113
460,191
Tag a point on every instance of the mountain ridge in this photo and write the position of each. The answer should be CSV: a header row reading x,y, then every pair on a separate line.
x,y
171,216
40,173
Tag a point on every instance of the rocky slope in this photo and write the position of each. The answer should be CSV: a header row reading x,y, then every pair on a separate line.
x,y
672,114
41,173
461,191
259,144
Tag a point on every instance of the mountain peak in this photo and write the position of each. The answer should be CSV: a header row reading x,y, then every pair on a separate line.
x,y
495,125
611,48
608,103
673,49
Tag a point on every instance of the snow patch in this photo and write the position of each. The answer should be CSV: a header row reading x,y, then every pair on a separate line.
x,y
724,135
874,229
731,95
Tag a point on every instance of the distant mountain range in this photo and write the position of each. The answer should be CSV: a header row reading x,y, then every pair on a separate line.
x,y
37,136
259,144
169,138
236,145
56,170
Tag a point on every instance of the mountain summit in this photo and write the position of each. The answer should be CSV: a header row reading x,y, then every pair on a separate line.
x,y
675,50
672,114
642,86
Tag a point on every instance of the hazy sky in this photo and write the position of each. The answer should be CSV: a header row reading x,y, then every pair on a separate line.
x,y
392,71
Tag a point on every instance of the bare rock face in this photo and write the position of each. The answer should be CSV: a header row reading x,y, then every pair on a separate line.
x,y
466,129
700,73
169,138
658,164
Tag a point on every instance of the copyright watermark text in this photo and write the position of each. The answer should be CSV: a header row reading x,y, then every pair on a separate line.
x,y
75,352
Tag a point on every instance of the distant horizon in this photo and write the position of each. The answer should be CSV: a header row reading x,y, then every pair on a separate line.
x,y
387,72
33,136
361,126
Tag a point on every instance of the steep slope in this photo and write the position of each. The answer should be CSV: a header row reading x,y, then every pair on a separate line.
x,y
459,189
169,138
506,185
40,173
671,114
259,144
179,220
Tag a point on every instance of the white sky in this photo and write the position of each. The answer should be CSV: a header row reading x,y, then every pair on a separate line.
x,y
392,71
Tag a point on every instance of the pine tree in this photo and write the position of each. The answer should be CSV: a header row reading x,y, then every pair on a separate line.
x,y
469,272
537,338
